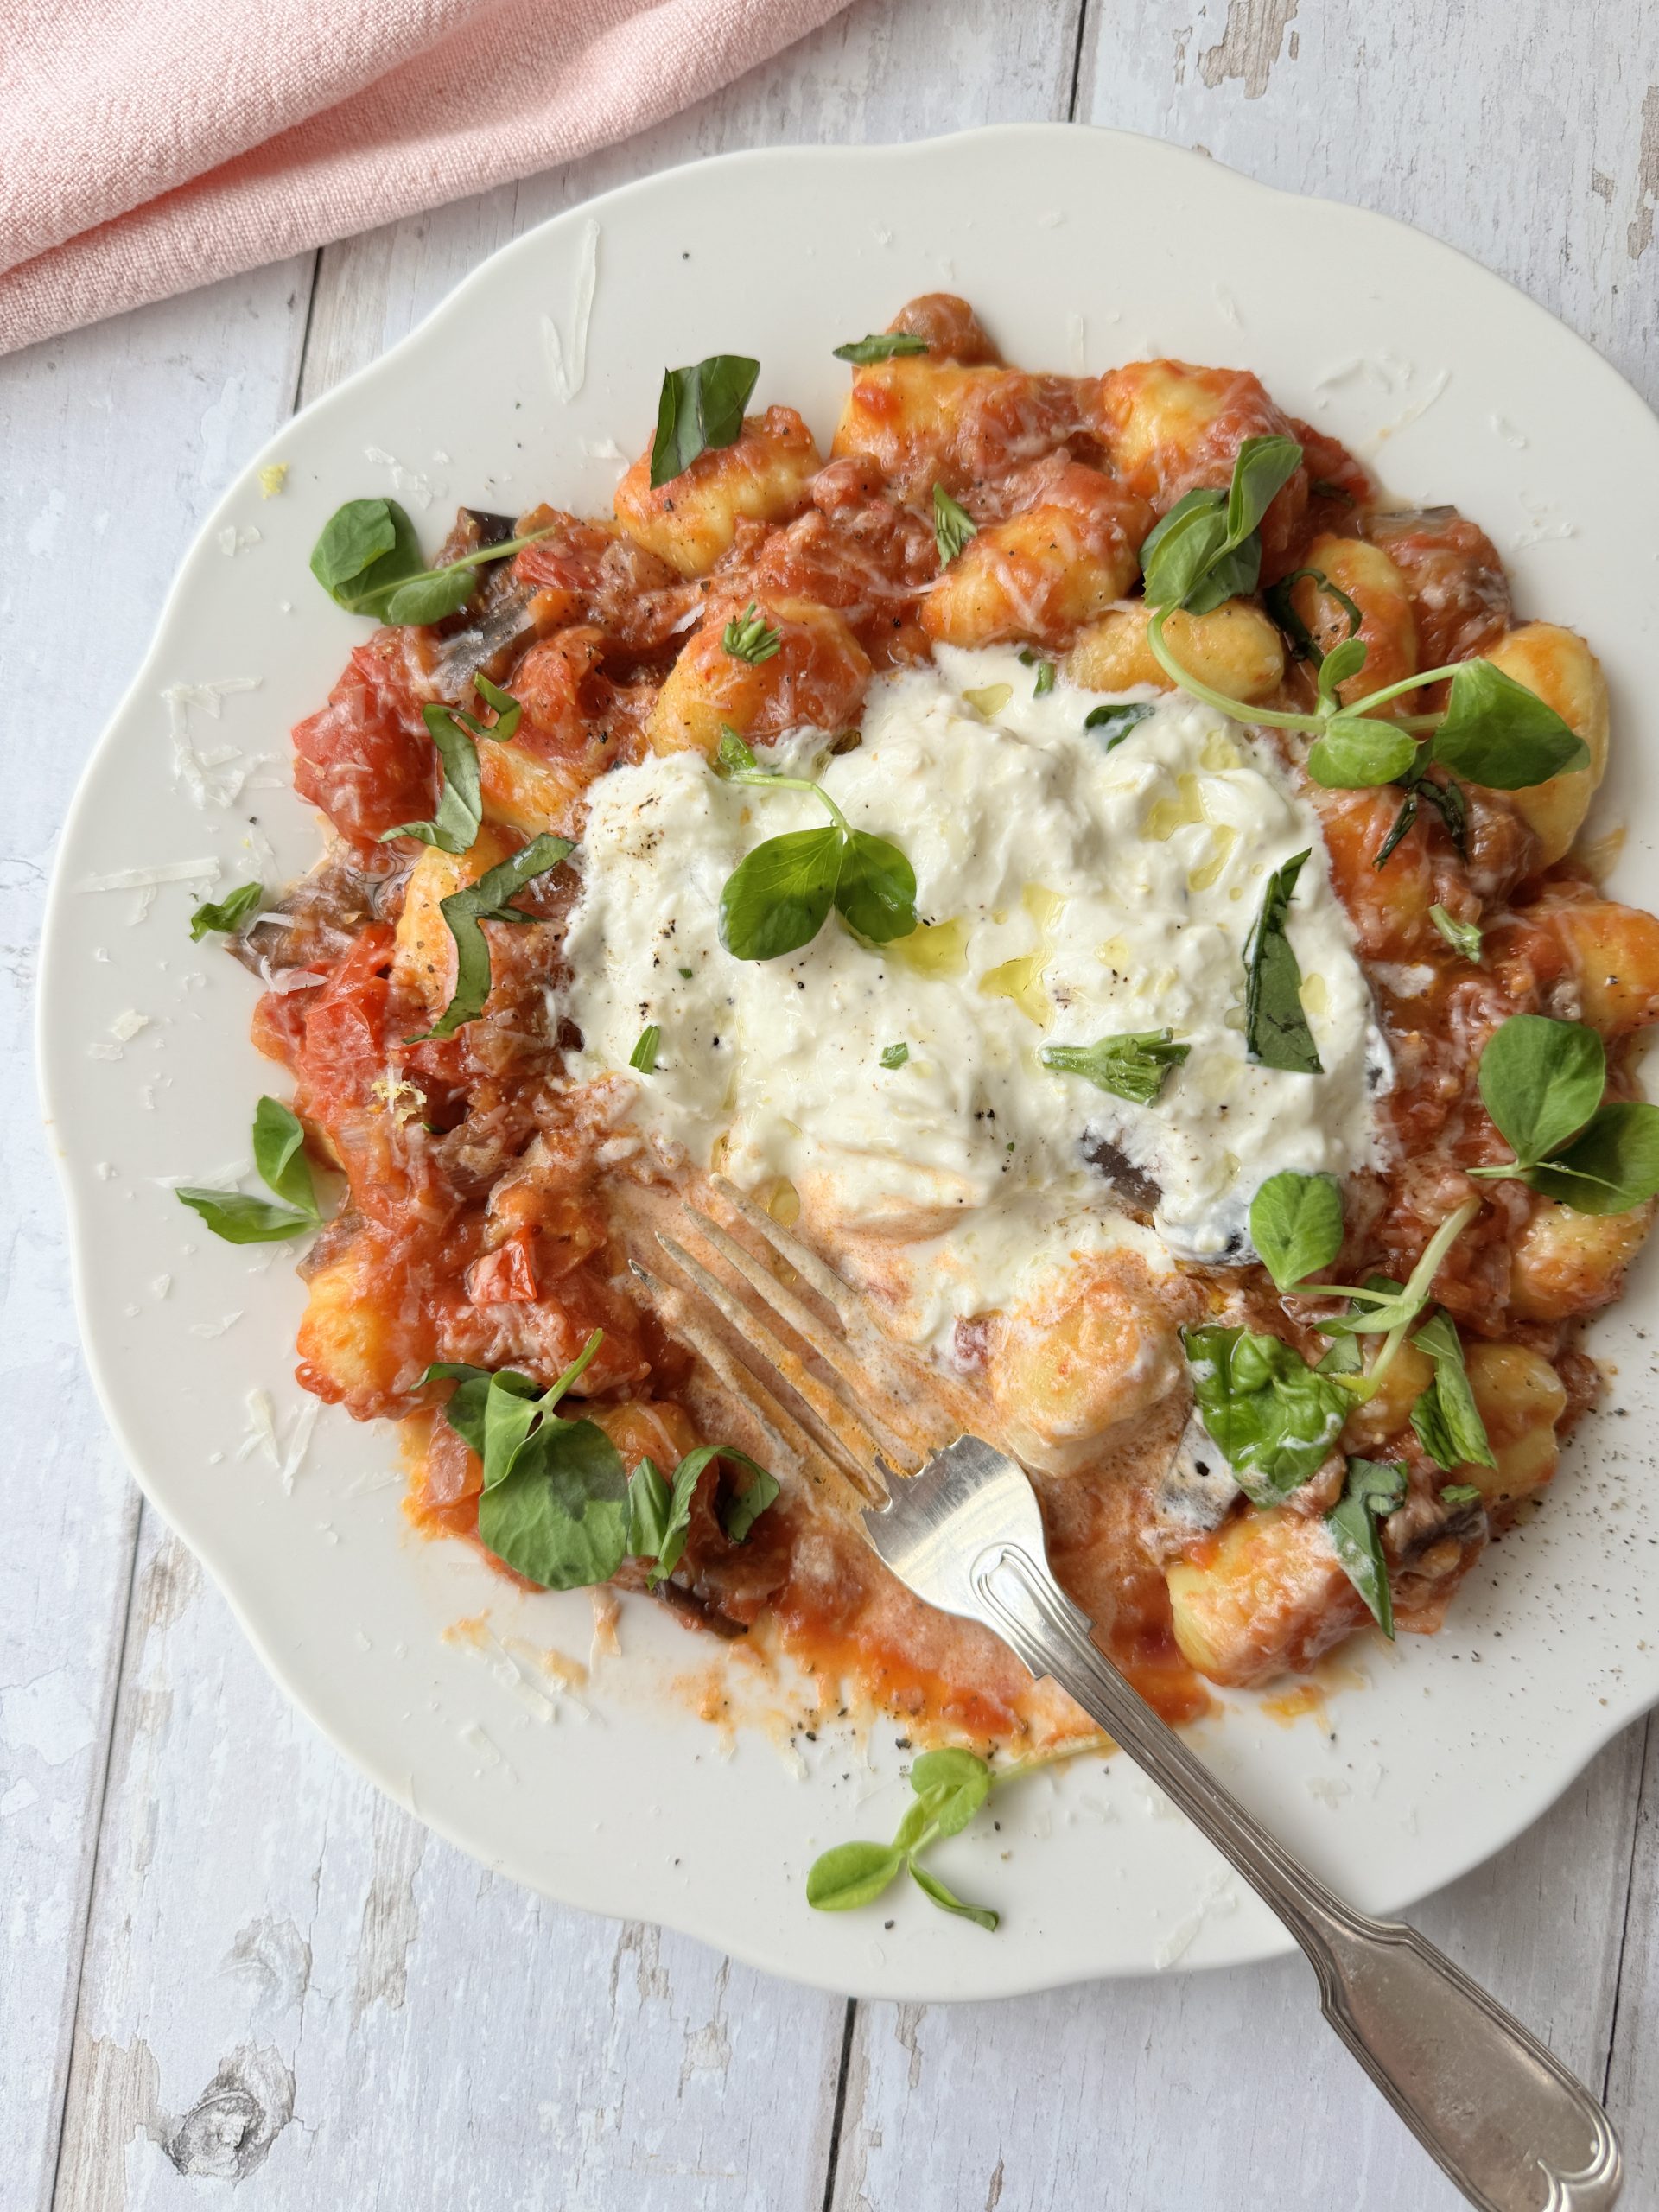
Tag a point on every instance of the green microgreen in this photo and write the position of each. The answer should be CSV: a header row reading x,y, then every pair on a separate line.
x,y
1541,1081
368,561
748,637
1134,1065
227,913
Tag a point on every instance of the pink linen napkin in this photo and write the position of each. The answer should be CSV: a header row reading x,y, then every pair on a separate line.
x,y
148,148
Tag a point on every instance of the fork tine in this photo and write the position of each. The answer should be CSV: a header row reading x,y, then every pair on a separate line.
x,y
784,1435
842,1300
846,1436
833,1350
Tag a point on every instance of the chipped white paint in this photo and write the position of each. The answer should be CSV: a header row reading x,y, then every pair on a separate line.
x,y
283,1988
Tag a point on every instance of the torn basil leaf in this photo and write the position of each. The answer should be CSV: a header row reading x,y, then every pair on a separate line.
x,y
644,1055
1208,549
1460,1494
700,409
880,345
1134,1065
1276,1034
1373,1490
1273,1419
1113,724
488,899
740,1510
228,914
894,1055
460,806
1296,1226
1446,1417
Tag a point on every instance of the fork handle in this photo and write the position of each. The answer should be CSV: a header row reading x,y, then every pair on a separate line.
x,y
1503,2116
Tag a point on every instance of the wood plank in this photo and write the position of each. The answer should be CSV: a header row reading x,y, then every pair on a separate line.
x,y
1521,135
291,1983
271,1943
1169,2095
1633,2062
116,440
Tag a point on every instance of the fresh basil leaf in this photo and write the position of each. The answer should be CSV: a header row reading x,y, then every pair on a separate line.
x,y
240,1219
952,526
1460,1494
1355,754
948,1901
1273,1419
659,1515
778,897
1402,822
748,637
228,914
851,1874
1462,937
1540,1080
279,1155
880,345
1496,732
1282,607
894,1055
876,889
1446,1417
740,1510
1342,661
467,1401
1234,574
1296,1226
460,806
1182,547
1134,1065
432,595
956,1782
644,1055
507,708
1611,1167
700,409
487,900
1448,802
1262,468
559,1516
1373,1490
367,548
650,1511
1115,723
734,756
1276,1034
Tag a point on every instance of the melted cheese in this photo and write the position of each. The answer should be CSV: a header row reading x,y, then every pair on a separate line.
x,y
1067,893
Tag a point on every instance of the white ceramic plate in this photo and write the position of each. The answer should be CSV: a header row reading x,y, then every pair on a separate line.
x,y
1082,248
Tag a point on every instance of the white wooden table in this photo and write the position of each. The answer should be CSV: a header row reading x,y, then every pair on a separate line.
x,y
224,1956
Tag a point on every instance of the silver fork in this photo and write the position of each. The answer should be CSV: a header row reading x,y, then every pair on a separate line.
x,y
1503,2116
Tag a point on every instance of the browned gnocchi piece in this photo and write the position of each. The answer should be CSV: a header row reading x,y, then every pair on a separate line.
x,y
952,423
1521,1398
952,330
353,1352
1168,427
1265,1596
1566,1263
1041,573
1387,1412
817,676
1233,649
1388,627
689,521
1062,1378
1561,668
1460,593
